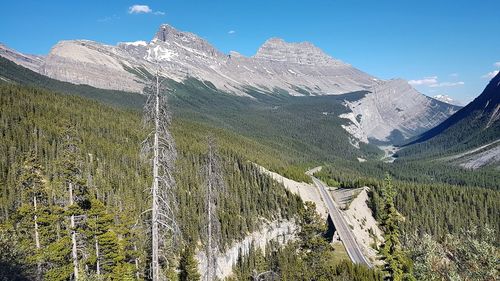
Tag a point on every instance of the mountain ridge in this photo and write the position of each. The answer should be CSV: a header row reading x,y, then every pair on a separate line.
x,y
472,131
278,67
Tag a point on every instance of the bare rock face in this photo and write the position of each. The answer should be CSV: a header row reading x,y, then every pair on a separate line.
x,y
394,111
189,41
276,49
87,62
31,62
277,231
296,68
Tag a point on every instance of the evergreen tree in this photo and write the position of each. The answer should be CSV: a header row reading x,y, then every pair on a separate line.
x,y
188,266
99,223
396,263
32,184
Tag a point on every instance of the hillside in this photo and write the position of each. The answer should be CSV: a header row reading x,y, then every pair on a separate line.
x,y
473,129
391,112
277,122
113,176
11,72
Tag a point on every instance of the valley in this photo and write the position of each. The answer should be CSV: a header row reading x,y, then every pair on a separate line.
x,y
170,159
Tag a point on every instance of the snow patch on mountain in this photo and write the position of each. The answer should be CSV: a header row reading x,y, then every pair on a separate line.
x,y
447,99
392,109
135,43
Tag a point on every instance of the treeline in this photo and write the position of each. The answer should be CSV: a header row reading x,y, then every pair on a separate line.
x,y
418,172
299,129
53,144
286,134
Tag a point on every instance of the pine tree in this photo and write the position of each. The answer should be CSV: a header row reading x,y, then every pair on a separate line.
x,y
33,186
188,266
99,222
396,263
70,174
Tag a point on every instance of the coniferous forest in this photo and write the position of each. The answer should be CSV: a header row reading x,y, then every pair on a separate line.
x,y
249,140
75,200
52,142
76,191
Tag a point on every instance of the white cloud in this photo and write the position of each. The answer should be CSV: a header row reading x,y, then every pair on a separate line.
x,y
490,75
139,9
454,75
424,81
432,82
143,9
447,84
231,32
497,64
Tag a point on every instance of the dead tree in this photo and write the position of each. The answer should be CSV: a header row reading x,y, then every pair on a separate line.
x,y
71,173
214,188
160,148
74,253
37,241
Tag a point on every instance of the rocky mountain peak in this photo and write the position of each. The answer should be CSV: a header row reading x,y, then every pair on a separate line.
x,y
187,40
277,49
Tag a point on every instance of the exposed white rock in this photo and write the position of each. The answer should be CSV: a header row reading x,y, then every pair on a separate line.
x,y
393,109
490,156
87,62
31,62
306,191
364,225
279,231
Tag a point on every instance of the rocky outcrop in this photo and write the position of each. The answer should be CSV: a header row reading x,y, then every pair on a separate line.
x,y
393,111
94,64
296,68
279,231
31,62
276,49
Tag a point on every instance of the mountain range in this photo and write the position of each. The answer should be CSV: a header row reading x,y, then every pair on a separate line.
x,y
470,137
391,111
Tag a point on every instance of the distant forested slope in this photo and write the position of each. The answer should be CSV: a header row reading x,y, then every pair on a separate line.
x,y
474,125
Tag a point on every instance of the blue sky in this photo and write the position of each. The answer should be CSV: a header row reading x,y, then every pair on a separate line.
x,y
441,46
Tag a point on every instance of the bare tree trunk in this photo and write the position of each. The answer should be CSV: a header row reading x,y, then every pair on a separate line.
x,y
37,242
209,213
98,262
73,235
215,185
160,146
154,223
136,261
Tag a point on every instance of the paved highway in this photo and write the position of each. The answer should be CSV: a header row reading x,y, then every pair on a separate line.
x,y
343,229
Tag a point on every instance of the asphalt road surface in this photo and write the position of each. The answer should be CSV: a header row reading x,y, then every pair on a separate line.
x,y
343,229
